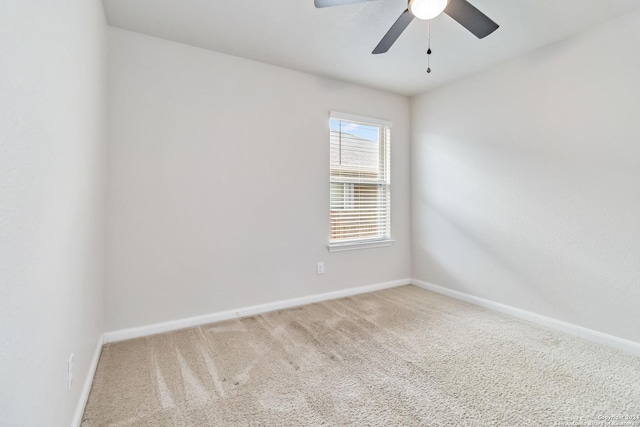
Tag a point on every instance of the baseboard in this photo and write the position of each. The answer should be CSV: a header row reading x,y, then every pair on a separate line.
x,y
114,336
568,328
86,388
173,325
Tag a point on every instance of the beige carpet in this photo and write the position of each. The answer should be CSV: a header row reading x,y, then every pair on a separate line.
x,y
398,357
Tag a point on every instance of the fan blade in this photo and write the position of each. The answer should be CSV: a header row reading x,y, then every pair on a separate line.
x,y
394,32
330,3
471,18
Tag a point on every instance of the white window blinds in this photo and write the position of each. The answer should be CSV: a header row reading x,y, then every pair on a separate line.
x,y
360,199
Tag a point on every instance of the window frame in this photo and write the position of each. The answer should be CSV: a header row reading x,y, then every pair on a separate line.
x,y
385,130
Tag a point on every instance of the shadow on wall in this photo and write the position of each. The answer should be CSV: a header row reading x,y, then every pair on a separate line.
x,y
507,226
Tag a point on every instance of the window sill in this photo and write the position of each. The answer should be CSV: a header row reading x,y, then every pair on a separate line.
x,y
351,246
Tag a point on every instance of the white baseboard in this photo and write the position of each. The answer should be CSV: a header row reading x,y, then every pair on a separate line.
x,y
568,328
173,325
86,388
114,336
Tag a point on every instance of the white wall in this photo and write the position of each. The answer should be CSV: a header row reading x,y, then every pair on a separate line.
x,y
52,165
218,186
526,182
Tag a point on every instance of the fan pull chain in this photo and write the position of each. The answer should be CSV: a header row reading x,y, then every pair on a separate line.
x,y
429,46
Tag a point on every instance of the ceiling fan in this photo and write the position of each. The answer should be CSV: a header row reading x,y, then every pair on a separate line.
x,y
462,11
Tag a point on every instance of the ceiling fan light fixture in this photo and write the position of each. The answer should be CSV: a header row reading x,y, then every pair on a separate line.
x,y
427,9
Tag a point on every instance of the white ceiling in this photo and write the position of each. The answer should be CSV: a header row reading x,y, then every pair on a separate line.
x,y
337,42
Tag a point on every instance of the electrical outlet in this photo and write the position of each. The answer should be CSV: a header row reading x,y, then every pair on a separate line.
x,y
320,268
70,372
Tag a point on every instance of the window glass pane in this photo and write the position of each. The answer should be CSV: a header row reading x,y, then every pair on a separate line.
x,y
359,187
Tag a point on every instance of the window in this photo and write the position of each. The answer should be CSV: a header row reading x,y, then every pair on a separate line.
x,y
359,196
